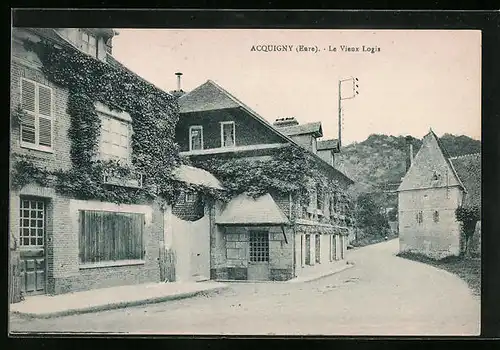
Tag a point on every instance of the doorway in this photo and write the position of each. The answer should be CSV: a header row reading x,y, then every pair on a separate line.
x,y
258,266
32,232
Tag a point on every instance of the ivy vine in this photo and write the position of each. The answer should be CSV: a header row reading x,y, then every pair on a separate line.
x,y
287,170
154,116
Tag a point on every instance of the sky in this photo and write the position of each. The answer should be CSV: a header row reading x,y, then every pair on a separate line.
x,y
412,81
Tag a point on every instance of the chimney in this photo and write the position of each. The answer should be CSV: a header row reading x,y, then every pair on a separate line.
x,y
284,122
178,92
179,74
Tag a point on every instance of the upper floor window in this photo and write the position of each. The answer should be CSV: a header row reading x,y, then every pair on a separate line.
x,y
37,123
88,43
195,137
419,216
227,134
319,198
116,137
435,216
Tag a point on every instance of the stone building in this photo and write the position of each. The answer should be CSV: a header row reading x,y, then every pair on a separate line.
x,y
434,186
274,235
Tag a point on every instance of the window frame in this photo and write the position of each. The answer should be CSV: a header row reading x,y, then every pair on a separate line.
x,y
115,261
36,114
195,127
37,227
435,216
222,124
103,114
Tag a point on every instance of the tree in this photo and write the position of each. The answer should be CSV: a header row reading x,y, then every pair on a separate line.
x,y
468,216
370,216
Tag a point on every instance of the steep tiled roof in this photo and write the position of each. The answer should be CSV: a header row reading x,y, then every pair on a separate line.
x,y
328,144
245,210
301,129
468,169
212,96
196,176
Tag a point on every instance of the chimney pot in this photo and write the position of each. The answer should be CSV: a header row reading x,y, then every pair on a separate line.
x,y
178,74
283,122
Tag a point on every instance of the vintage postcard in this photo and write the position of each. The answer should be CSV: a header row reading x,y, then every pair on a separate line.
x,y
245,181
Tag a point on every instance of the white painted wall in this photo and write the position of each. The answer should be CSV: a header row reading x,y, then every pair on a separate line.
x,y
190,241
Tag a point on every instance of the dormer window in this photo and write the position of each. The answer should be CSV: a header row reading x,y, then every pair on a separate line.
x,y
195,137
227,134
88,43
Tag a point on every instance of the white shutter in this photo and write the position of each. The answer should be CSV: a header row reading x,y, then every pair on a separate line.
x,y
28,104
45,116
28,95
28,129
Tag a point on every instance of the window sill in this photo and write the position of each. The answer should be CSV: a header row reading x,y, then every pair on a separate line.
x,y
111,264
36,148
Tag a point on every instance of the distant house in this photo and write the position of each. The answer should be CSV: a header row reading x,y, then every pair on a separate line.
x,y
274,235
430,192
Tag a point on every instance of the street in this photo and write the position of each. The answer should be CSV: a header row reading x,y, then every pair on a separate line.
x,y
381,295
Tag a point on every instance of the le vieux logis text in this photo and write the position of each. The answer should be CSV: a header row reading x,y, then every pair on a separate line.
x,y
314,48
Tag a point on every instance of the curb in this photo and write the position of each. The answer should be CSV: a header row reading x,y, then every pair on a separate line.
x,y
118,305
311,279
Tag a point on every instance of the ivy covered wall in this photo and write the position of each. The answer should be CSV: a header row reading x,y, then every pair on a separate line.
x,y
154,116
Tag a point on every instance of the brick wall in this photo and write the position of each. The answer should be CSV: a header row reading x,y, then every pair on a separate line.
x,y
70,275
189,211
26,64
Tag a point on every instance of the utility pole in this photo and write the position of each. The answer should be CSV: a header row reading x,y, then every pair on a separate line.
x,y
354,93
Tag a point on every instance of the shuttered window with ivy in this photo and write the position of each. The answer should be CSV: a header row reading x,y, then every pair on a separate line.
x,y
110,236
37,120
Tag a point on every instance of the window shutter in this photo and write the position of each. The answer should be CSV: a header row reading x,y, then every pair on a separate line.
x,y
45,116
28,95
44,101
28,128
45,127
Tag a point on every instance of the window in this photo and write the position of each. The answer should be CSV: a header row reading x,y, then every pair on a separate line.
x,y
319,198
88,43
259,246
31,223
419,216
195,137
435,216
37,123
191,196
235,246
115,139
110,236
227,134
308,250
317,242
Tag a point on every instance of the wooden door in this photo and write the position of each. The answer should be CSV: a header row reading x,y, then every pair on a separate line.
x,y
32,229
258,265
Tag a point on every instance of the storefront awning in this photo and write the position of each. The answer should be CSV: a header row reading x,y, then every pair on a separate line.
x,y
245,210
196,176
